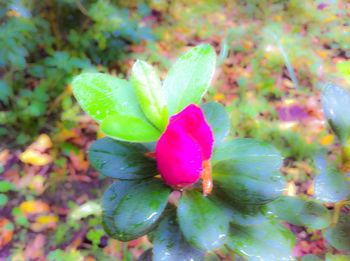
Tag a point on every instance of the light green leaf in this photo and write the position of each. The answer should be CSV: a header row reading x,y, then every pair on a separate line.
x,y
121,160
268,241
331,257
150,94
218,119
202,222
189,78
169,244
101,95
339,236
336,102
301,212
129,128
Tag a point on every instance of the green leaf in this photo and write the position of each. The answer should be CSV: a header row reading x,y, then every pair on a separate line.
x,y
189,78
129,128
243,214
310,258
247,171
6,186
339,236
132,210
3,200
111,198
121,160
101,95
169,243
301,212
5,91
202,222
150,94
331,185
218,119
335,102
250,155
268,241
331,257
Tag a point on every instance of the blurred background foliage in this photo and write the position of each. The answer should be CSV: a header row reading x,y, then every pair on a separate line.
x,y
273,57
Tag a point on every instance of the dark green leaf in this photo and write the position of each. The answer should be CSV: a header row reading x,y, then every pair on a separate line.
x,y
268,241
247,171
244,215
121,160
189,78
169,244
339,236
335,102
301,212
218,119
110,200
202,222
138,211
250,155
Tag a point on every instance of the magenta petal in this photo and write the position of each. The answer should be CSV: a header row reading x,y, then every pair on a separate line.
x,y
182,148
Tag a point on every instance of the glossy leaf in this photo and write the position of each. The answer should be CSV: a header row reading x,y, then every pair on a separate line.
x,y
339,236
129,128
331,185
202,222
189,78
110,200
247,171
121,160
137,209
301,212
169,243
335,102
250,155
101,95
268,241
150,94
218,119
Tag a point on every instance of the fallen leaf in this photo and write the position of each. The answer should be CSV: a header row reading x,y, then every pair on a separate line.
x,y
35,158
33,207
6,232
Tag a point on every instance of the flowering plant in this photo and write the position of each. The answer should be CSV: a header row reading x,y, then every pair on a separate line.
x,y
181,179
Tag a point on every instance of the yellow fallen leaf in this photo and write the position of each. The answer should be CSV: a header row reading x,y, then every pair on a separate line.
x,y
43,142
291,189
35,158
310,190
219,96
32,207
47,219
327,140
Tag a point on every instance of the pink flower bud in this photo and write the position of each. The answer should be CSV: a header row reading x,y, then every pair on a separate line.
x,y
183,147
